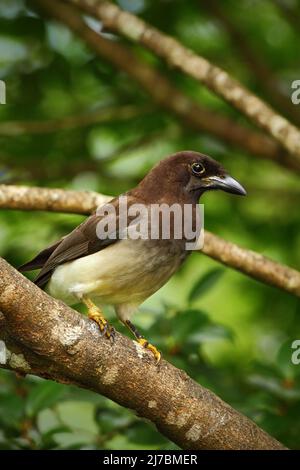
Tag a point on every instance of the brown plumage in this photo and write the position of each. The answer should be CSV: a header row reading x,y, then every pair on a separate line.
x,y
74,268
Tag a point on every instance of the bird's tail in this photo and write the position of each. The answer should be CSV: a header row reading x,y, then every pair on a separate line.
x,y
40,259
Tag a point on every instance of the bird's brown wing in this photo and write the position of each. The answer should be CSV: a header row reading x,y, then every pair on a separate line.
x,y
82,241
40,259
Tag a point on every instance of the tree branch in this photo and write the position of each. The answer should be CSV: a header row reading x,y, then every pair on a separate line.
x,y
42,336
246,261
28,198
197,67
14,128
253,264
168,96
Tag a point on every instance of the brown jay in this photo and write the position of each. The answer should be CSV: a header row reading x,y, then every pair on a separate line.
x,y
124,272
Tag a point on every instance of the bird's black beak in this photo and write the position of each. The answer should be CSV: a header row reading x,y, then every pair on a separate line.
x,y
226,183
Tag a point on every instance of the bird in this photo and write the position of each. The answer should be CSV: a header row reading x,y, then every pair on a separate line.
x,y
125,271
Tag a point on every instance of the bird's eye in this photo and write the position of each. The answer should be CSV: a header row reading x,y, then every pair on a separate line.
x,y
197,168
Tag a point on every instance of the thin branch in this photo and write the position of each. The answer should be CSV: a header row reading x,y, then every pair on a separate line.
x,y
197,67
14,128
166,95
44,337
28,198
252,264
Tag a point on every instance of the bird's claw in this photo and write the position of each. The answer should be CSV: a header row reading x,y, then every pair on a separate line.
x,y
108,331
157,355
104,326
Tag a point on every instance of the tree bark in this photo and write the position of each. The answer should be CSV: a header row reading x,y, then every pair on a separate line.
x,y
197,67
253,264
28,198
42,336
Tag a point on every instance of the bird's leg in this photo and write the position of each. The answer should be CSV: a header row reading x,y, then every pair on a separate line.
x,y
142,341
96,314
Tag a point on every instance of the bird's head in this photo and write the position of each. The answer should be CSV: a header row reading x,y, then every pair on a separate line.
x,y
206,174
190,173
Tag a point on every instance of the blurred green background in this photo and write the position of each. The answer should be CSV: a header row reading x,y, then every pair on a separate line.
x,y
230,333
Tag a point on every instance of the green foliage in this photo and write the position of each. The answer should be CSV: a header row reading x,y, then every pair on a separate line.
x,y
228,332
41,396
205,282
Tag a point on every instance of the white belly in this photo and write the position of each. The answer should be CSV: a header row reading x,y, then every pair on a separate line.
x,y
128,271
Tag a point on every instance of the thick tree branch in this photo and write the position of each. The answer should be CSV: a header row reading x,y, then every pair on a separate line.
x,y
83,202
197,67
168,96
42,336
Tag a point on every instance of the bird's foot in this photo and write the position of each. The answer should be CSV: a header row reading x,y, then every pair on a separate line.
x,y
143,342
96,315
106,329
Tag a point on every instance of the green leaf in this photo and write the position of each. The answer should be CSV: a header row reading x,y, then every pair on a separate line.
x,y
211,333
206,282
274,386
43,395
78,415
47,421
72,440
144,435
11,410
187,322
120,441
